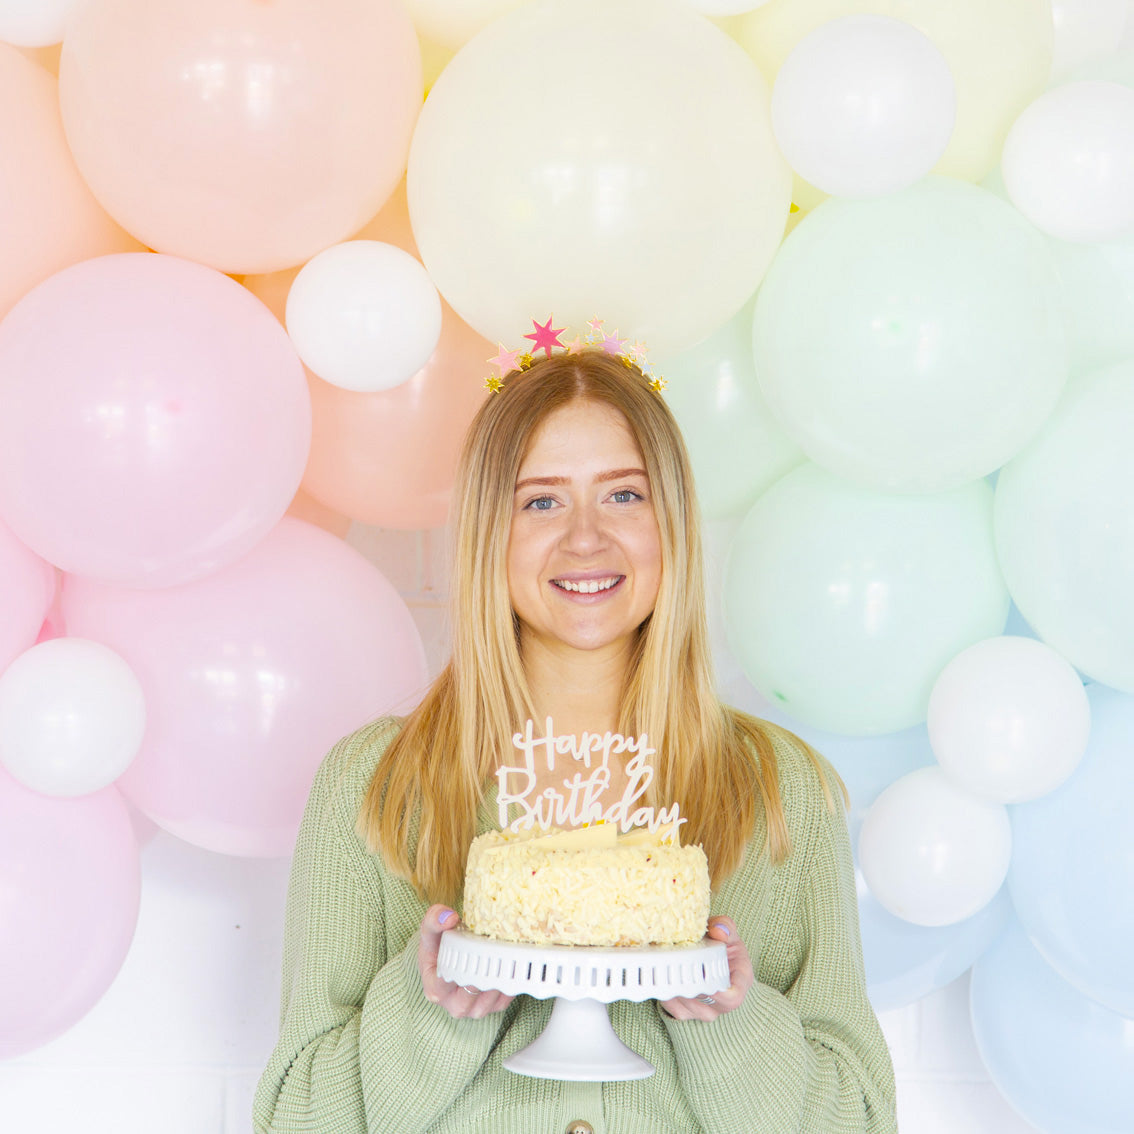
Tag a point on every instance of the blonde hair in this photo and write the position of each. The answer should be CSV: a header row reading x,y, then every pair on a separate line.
x,y
420,811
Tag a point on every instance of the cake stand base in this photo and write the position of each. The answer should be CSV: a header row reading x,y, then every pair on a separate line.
x,y
578,1044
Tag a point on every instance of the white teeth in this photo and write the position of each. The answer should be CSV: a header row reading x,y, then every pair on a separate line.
x,y
589,587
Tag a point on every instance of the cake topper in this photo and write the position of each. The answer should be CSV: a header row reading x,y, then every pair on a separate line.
x,y
580,801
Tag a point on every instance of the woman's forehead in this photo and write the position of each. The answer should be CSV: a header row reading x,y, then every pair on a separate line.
x,y
582,434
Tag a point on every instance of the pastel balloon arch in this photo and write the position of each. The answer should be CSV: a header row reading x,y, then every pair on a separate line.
x,y
249,293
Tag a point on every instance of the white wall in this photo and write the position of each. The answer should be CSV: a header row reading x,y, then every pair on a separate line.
x,y
177,1043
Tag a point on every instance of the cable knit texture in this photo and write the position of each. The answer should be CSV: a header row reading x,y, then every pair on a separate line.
x,y
361,1050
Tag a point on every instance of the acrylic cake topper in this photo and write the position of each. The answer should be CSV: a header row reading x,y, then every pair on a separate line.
x,y
580,801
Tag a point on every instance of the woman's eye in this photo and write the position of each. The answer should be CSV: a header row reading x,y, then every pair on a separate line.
x,y
541,503
625,496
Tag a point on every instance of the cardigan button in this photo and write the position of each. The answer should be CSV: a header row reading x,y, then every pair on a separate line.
x,y
580,1127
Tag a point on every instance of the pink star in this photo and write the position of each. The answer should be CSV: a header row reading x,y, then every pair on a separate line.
x,y
545,336
506,360
575,345
612,344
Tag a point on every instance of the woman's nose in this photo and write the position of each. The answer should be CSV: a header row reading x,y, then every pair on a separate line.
x,y
584,530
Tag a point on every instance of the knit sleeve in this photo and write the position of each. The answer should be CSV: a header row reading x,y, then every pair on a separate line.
x,y
813,1058
360,1047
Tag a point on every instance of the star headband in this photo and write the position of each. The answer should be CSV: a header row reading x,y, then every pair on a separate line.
x,y
545,337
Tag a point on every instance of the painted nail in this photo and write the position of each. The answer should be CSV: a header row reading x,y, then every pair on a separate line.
x,y
443,918
721,925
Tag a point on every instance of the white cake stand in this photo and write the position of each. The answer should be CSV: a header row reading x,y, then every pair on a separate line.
x,y
578,1042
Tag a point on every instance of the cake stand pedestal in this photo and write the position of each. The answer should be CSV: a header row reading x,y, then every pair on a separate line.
x,y
578,1043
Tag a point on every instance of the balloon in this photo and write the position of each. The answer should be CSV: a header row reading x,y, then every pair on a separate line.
x,y
863,106
34,23
540,185
364,315
844,604
1068,161
156,420
27,587
932,854
388,458
999,55
48,217
1072,877
913,342
1086,30
70,883
737,448
1063,1062
72,716
1008,720
1065,532
256,671
307,508
245,135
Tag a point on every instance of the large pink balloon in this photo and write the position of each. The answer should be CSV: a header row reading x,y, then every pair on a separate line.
x,y
48,216
70,881
246,135
250,676
27,588
156,420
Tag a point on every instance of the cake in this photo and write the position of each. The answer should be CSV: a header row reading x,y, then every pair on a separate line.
x,y
587,886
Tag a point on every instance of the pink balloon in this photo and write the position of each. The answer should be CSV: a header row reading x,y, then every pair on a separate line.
x,y
48,216
27,588
246,135
250,676
156,420
70,882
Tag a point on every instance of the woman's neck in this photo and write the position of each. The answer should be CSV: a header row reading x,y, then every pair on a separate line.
x,y
581,690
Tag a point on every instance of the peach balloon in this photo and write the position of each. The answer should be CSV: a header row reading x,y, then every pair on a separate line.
x,y
48,217
245,135
388,458
307,508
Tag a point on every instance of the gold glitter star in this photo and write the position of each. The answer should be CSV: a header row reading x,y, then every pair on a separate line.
x,y
493,383
657,384
526,361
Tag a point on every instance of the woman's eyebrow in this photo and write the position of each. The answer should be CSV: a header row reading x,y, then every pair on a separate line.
x,y
552,481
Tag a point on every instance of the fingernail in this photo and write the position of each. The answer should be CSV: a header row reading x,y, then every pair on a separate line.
x,y
721,925
443,918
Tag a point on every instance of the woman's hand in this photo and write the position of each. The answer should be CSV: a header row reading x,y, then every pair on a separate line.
x,y
740,975
458,1000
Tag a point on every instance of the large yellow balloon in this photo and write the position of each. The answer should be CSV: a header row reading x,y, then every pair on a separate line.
x,y
999,53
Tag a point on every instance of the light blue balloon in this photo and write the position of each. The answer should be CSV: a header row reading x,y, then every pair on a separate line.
x,y
737,448
1072,872
1065,1063
904,962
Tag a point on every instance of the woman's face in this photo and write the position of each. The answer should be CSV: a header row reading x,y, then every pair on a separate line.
x,y
584,550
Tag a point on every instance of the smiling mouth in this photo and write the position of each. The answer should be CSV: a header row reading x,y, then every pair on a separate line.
x,y
587,586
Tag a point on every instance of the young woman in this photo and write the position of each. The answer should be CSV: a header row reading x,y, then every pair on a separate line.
x,y
578,595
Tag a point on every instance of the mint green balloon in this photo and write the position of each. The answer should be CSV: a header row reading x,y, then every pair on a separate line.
x,y
912,342
843,604
737,448
1065,527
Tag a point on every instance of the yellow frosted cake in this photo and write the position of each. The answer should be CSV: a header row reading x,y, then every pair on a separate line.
x,y
586,886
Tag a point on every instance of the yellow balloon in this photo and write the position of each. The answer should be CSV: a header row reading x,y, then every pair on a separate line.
x,y
1000,55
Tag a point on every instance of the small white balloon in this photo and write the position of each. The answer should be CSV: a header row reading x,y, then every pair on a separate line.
x,y
931,854
1086,30
72,717
1008,719
34,23
725,7
863,106
1068,161
364,315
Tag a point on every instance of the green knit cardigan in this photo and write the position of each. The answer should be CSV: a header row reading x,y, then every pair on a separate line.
x,y
361,1050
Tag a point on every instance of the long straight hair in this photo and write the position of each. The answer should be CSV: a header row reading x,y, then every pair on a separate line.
x,y
420,811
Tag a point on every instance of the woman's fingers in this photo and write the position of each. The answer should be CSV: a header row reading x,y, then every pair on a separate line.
x,y
462,1001
711,1005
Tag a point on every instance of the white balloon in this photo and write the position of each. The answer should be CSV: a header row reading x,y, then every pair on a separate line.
x,y
1008,719
72,716
364,315
1086,30
454,22
725,7
1068,161
863,106
34,23
931,854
